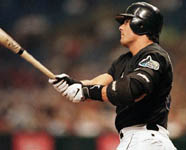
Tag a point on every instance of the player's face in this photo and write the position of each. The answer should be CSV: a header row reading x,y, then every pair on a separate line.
x,y
127,35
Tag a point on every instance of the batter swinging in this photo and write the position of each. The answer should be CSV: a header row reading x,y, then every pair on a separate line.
x,y
138,83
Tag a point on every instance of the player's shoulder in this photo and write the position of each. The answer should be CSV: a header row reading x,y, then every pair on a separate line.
x,y
155,56
155,49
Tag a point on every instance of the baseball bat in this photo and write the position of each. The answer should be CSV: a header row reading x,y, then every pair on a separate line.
x,y
8,42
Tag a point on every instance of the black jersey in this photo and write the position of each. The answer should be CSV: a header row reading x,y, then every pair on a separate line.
x,y
154,107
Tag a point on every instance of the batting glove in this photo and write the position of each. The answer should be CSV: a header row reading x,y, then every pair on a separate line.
x,y
74,93
61,82
68,87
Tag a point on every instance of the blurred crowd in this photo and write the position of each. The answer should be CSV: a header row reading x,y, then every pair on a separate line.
x,y
80,38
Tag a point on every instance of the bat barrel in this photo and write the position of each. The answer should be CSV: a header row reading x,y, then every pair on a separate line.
x,y
8,42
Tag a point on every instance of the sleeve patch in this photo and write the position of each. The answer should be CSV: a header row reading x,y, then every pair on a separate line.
x,y
149,63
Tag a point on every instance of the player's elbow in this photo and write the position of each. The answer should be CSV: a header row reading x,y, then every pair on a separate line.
x,y
118,92
125,91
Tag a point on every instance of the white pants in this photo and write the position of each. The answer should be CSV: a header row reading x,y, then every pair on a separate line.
x,y
139,138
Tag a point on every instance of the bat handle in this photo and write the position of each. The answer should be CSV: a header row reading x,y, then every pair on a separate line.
x,y
24,54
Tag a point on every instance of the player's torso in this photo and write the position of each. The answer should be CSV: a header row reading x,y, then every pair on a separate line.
x,y
154,107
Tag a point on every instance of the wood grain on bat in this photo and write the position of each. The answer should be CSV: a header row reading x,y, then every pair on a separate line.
x,y
8,42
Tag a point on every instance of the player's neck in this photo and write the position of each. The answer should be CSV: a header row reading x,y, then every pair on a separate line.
x,y
138,45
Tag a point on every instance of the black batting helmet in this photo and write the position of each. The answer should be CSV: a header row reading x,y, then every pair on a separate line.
x,y
145,19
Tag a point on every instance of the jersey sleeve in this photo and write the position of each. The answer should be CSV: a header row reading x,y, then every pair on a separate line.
x,y
112,69
147,73
142,80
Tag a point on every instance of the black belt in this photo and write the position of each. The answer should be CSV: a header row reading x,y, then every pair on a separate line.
x,y
148,126
152,127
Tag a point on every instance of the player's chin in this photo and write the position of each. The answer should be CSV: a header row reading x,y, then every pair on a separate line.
x,y
123,43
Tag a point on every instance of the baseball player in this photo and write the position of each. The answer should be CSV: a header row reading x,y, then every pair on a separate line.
x,y
138,83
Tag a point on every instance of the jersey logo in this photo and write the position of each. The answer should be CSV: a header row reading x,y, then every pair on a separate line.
x,y
149,63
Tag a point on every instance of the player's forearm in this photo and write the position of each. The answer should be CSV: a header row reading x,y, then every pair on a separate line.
x,y
104,94
103,79
96,88
117,92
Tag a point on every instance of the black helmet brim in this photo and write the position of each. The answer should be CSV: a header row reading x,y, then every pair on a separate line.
x,y
120,18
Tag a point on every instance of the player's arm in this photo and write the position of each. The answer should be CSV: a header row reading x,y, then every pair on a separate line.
x,y
129,89
103,79
119,92
134,86
74,90
106,99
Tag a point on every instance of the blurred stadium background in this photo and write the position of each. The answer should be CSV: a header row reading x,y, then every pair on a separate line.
x,y
80,38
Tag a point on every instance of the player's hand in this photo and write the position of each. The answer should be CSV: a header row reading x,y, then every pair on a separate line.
x,y
68,87
61,82
74,93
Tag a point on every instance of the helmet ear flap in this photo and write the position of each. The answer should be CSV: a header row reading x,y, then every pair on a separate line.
x,y
137,25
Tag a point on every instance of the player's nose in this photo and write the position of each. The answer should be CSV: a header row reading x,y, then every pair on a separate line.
x,y
121,27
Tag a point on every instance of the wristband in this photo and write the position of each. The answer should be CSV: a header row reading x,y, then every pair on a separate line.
x,y
93,92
